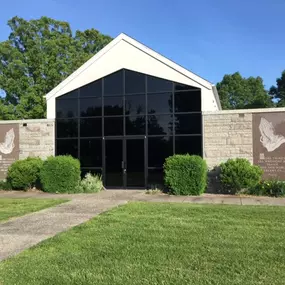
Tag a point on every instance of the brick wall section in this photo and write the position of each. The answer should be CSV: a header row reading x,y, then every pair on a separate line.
x,y
36,138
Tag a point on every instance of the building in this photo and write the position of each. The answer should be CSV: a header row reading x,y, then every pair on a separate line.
x,y
127,109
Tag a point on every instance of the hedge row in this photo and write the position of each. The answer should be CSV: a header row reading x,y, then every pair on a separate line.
x,y
187,175
59,174
183,175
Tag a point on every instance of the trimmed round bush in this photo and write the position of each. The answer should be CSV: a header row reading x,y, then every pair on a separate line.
x,y
185,174
25,174
60,174
239,174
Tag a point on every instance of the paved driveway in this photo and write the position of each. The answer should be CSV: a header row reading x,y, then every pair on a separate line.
x,y
23,232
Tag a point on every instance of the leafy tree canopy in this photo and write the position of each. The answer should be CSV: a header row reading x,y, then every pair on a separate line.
x,y
38,55
237,92
278,92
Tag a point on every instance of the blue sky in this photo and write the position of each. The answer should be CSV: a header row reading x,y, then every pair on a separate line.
x,y
210,38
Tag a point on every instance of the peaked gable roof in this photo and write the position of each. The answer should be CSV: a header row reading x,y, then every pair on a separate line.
x,y
125,52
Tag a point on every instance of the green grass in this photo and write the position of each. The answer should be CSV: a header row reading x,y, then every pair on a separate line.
x,y
152,243
17,207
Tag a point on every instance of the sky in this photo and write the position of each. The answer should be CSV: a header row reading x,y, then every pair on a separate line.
x,y
209,37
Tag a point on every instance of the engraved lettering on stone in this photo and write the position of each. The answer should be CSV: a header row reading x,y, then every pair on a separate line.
x,y
269,143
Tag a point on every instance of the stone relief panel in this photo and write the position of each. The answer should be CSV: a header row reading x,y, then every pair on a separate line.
x,y
268,131
9,147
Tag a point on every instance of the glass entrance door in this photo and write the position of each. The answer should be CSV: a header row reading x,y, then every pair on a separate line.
x,y
114,174
125,163
135,163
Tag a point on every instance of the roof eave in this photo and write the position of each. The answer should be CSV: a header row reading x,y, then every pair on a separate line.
x,y
143,48
217,97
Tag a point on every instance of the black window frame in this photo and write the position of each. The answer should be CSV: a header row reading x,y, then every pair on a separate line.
x,y
175,88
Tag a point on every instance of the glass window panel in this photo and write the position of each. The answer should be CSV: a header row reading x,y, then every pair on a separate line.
x,y
113,126
66,128
113,84
155,178
159,103
135,125
90,107
67,147
155,84
70,95
113,106
113,160
84,171
159,148
135,82
160,124
135,163
91,127
188,124
188,101
135,104
191,145
67,108
181,87
91,152
93,89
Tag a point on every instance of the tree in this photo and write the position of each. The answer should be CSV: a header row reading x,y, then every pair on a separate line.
x,y
38,55
278,92
237,92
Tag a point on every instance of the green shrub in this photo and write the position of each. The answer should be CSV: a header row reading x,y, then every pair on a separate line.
x,y
153,191
91,183
60,174
25,174
272,188
185,174
5,185
239,174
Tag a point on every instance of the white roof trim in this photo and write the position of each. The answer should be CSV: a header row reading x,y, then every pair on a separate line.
x,y
168,62
143,48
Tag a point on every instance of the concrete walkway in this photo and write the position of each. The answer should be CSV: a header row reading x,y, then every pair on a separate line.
x,y
214,199
23,232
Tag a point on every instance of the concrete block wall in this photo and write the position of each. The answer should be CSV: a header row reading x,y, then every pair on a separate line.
x,y
37,138
228,134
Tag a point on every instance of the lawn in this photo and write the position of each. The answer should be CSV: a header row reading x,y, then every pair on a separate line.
x,y
18,207
152,243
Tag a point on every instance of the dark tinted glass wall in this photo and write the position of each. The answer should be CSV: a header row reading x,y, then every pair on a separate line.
x,y
126,104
